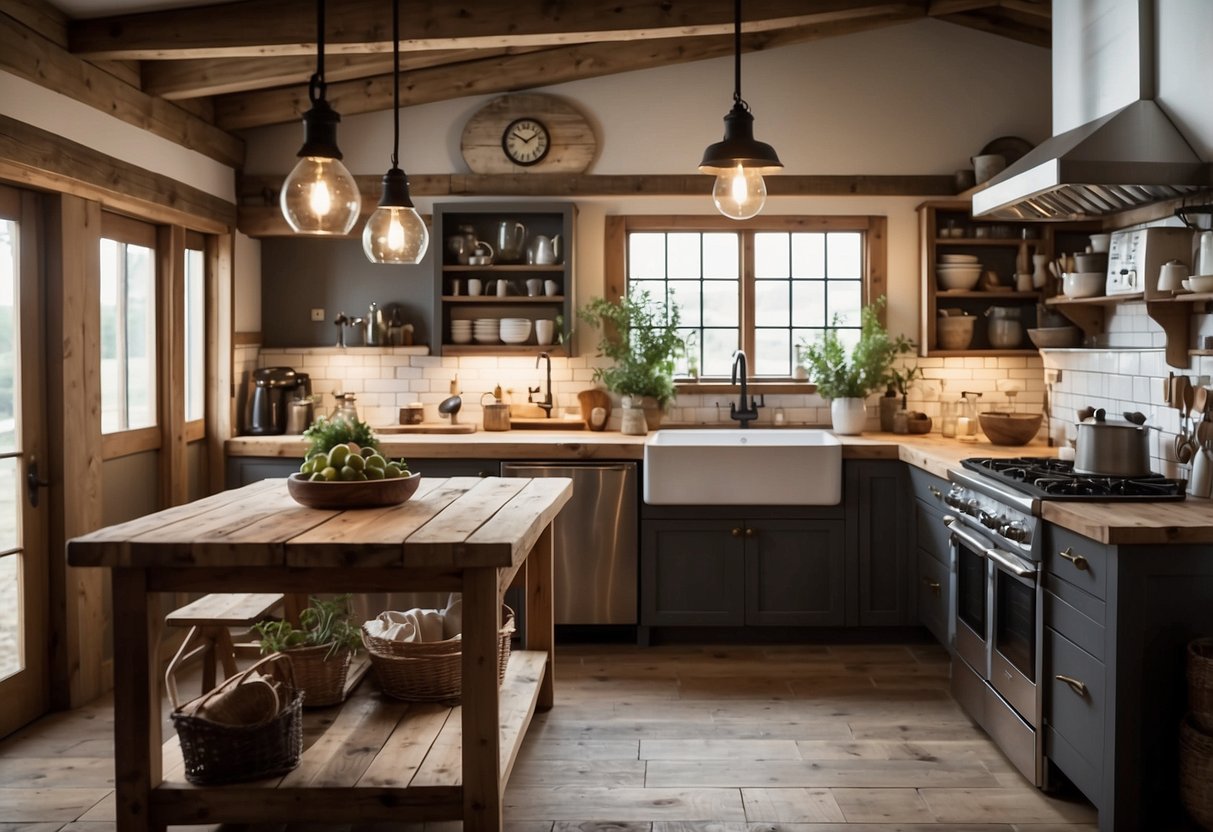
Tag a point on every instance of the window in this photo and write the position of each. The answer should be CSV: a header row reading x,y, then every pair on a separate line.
x,y
128,325
195,329
763,286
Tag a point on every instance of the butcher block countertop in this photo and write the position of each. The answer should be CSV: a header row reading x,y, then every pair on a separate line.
x,y
1125,523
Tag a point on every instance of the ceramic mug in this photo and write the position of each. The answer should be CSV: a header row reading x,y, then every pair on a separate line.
x,y
503,288
475,286
551,288
533,287
1172,276
544,330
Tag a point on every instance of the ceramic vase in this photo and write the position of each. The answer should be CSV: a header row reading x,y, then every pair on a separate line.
x,y
848,416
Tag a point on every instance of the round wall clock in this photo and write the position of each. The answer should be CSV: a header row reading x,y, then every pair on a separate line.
x,y
525,141
528,132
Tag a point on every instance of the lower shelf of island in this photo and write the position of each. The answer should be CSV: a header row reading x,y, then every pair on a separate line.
x,y
981,353
371,758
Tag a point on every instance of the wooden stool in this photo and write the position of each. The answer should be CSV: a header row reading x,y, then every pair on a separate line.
x,y
210,618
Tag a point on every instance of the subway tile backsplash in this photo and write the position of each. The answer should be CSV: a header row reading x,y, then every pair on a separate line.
x,y
1123,370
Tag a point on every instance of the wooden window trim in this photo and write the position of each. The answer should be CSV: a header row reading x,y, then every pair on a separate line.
x,y
875,260
195,431
10,204
127,442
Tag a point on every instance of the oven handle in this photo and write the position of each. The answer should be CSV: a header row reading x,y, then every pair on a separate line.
x,y
1004,560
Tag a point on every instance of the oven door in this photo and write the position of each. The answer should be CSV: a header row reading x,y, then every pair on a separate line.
x,y
1015,632
973,601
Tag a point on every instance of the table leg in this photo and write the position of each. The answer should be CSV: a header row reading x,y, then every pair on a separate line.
x,y
137,740
481,706
540,633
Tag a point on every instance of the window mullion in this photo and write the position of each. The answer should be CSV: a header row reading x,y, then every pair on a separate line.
x,y
748,291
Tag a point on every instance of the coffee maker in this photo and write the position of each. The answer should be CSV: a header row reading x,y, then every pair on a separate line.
x,y
268,404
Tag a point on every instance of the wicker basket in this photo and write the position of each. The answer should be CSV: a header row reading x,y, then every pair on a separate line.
x,y
1200,682
1196,772
216,753
321,677
429,671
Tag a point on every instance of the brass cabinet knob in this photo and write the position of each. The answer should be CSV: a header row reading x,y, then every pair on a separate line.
x,y
1080,563
932,585
736,531
935,492
749,532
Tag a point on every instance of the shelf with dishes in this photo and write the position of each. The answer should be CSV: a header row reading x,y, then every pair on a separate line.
x,y
988,241
498,299
496,332
504,267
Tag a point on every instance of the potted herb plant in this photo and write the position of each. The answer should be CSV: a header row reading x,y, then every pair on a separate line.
x,y
320,649
847,378
641,337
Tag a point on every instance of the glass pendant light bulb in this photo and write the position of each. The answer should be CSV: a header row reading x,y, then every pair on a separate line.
x,y
740,192
320,196
395,234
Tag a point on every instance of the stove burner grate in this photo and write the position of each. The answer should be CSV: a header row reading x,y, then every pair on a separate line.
x,y
1054,479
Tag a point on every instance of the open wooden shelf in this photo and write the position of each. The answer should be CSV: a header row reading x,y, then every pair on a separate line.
x,y
986,241
949,294
514,267
370,759
501,349
1098,300
506,299
982,353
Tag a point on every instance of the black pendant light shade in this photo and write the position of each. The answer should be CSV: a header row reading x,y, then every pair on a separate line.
x,y
739,161
395,232
320,196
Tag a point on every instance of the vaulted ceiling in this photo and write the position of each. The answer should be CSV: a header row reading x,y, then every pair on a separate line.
x,y
247,64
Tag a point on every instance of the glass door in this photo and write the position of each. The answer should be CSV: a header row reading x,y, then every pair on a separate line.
x,y
24,618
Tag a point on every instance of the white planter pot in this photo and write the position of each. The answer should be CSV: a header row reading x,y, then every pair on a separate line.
x,y
848,416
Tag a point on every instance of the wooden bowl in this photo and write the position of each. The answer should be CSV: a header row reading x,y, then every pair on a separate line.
x,y
1010,428
360,494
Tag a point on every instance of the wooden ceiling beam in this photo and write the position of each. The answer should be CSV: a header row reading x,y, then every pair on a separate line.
x,y
260,216
195,78
1040,9
265,28
518,72
941,8
28,55
1003,27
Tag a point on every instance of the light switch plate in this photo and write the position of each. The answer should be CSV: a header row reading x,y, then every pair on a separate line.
x,y
317,314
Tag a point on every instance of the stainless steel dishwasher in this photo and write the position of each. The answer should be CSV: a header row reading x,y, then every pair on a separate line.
x,y
596,540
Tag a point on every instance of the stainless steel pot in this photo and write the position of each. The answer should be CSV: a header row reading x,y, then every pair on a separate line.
x,y
1111,449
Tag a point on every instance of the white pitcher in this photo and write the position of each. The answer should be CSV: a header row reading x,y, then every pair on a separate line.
x,y
1204,254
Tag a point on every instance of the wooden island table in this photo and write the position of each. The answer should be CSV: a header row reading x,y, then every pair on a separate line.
x,y
373,758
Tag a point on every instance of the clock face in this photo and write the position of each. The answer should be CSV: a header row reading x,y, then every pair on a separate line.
x,y
525,141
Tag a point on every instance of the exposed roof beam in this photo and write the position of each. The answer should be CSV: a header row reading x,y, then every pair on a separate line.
x,y
27,55
194,78
1003,27
264,28
940,8
516,72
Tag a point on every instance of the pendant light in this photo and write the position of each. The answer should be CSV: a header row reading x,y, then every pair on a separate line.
x,y
320,195
739,162
395,233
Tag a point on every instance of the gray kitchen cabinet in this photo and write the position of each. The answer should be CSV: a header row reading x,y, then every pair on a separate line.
x,y
880,522
760,568
242,470
933,582
1117,622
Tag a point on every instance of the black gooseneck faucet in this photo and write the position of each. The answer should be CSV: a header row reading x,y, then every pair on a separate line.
x,y
741,410
546,405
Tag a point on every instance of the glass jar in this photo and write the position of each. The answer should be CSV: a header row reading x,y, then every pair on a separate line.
x,y
949,410
346,408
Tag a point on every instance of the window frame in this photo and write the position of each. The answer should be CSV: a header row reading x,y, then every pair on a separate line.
x,y
873,280
130,231
195,429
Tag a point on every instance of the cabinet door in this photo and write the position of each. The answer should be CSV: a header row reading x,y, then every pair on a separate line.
x,y
243,470
795,572
692,573
934,581
878,503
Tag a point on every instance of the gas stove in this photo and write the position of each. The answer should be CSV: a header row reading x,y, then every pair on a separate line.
x,y
1054,479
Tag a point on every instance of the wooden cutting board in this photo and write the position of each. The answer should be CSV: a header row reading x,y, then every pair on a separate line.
x,y
525,423
469,427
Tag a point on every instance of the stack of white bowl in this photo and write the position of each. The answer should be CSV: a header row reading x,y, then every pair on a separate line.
x,y
958,271
486,330
515,330
461,332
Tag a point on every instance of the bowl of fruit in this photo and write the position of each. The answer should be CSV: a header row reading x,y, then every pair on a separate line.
x,y
352,476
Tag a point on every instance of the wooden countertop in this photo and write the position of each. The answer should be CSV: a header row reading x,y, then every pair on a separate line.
x,y
1189,521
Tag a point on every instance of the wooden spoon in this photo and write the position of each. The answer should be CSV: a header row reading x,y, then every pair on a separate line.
x,y
1200,400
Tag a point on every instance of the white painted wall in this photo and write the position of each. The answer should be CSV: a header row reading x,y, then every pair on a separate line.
x,y
919,98
246,277
1097,61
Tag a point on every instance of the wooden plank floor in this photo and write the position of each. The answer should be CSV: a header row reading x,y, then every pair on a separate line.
x,y
674,739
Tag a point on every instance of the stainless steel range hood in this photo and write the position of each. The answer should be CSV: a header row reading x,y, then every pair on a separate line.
x,y
1132,157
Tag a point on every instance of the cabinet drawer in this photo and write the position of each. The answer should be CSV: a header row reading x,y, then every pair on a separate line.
x,y
1077,717
932,591
1075,615
932,534
1078,560
923,483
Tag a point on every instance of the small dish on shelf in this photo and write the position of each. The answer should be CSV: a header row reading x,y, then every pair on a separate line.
x,y
1199,283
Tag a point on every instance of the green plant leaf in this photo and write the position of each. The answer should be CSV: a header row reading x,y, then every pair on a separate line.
x,y
868,367
641,337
